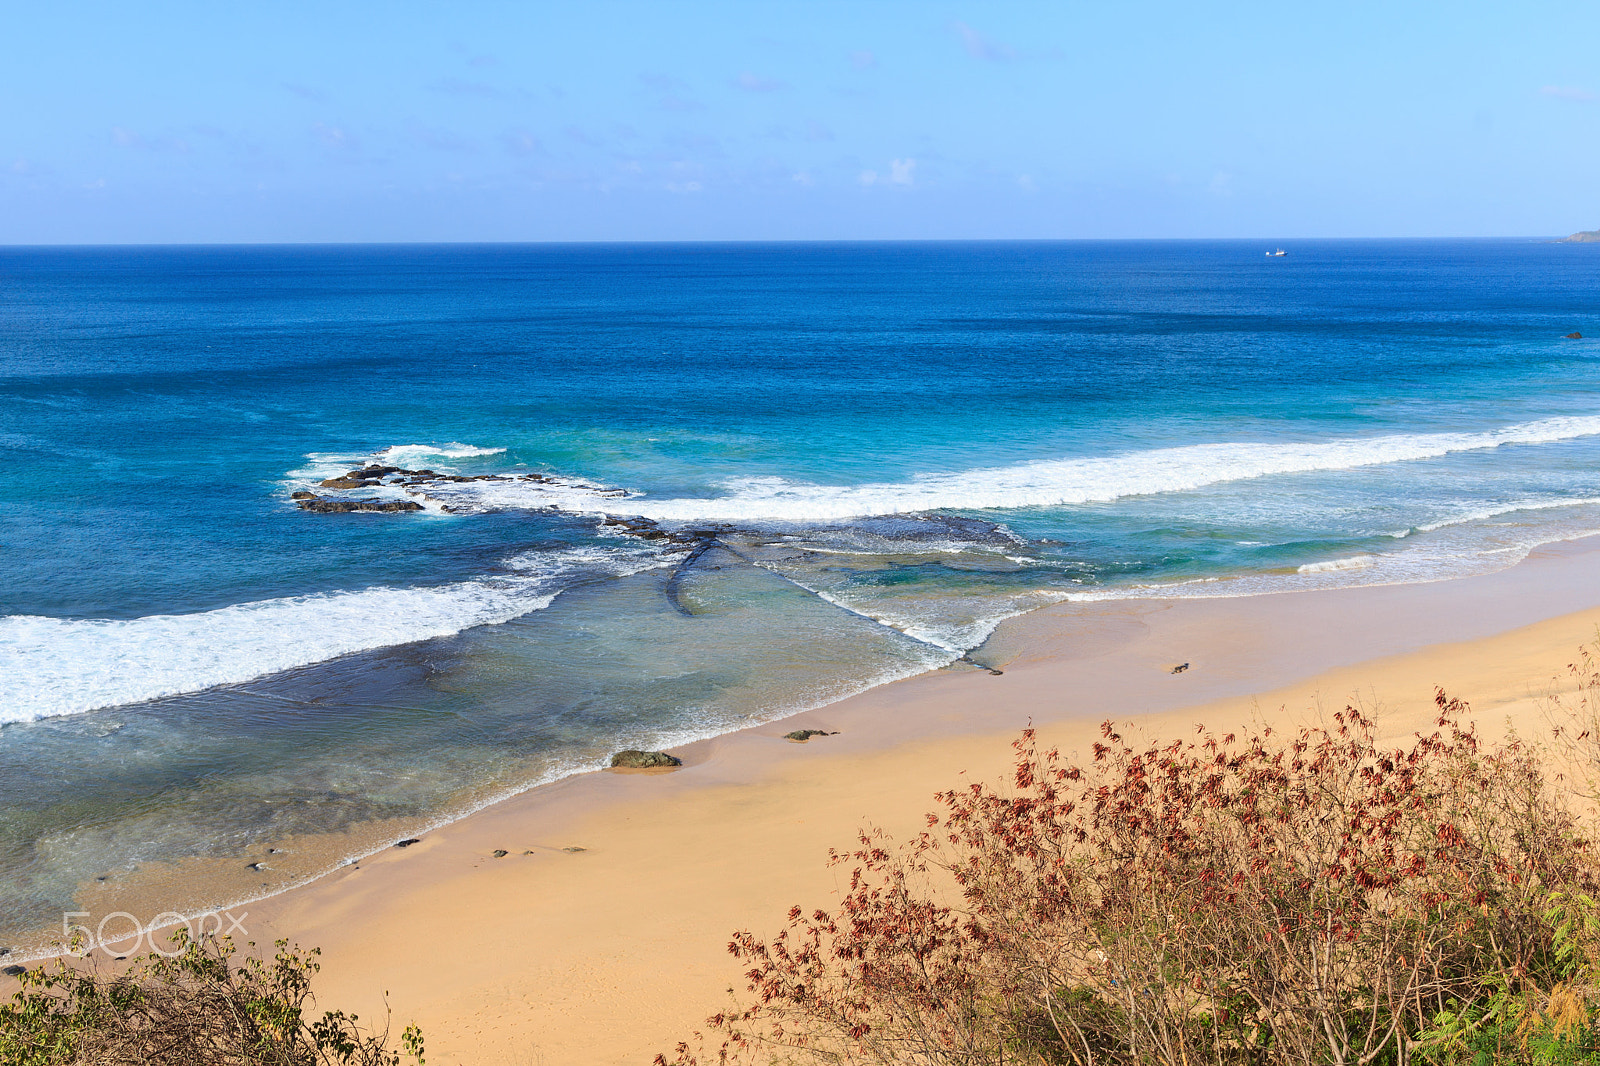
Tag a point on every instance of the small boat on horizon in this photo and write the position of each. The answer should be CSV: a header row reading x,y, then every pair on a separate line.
x,y
1279,252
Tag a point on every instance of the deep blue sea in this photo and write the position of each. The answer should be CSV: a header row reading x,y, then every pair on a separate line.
x,y
861,456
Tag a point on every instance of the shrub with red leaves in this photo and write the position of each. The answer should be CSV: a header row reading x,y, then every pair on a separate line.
x,y
1320,899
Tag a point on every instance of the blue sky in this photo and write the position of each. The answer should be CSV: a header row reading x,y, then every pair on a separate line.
x,y
875,119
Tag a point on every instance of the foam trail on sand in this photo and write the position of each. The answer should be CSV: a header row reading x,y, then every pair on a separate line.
x,y
1354,562
1039,483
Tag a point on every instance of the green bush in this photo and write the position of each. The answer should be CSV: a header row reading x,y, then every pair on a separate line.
x,y
194,1007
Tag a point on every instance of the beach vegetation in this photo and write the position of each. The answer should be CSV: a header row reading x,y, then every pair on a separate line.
x,y
195,1005
1317,897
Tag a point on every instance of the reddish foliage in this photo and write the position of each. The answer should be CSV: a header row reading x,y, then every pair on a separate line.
x,y
1221,899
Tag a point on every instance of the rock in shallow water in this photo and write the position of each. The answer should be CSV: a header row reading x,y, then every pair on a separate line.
x,y
643,760
324,505
803,735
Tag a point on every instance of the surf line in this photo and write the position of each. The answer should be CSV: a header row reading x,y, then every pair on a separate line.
x,y
674,584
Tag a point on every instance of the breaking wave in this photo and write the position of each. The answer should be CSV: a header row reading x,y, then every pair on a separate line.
x,y
67,666
1039,483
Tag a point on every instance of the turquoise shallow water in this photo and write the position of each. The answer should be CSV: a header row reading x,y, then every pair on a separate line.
x,y
894,446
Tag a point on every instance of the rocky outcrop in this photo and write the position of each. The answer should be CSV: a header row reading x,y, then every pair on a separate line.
x,y
326,505
643,760
375,475
638,527
1574,336
1586,236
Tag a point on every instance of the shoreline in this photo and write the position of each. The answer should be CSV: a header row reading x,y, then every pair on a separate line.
x,y
323,854
618,892
448,929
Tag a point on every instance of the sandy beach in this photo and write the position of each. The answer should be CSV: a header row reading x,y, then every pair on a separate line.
x,y
600,937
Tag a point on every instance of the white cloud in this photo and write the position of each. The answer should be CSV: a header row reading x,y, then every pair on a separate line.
x,y
751,83
901,172
521,142
1569,92
334,136
671,93
980,47
124,138
306,92
805,179
462,87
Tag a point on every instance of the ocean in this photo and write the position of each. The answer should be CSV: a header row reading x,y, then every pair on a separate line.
x,y
661,492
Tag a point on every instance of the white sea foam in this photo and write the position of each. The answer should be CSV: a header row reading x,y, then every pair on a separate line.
x,y
1353,562
1466,551
1486,513
322,465
58,666
406,454
1039,483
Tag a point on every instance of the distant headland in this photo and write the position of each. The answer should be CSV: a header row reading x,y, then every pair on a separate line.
x,y
1582,237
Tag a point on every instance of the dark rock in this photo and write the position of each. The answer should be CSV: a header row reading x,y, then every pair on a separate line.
x,y
13,971
324,505
501,853
1180,668
574,849
644,760
406,843
639,527
258,866
803,735
1574,336
347,483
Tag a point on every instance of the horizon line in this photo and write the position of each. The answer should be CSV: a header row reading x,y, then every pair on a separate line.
x,y
6,246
